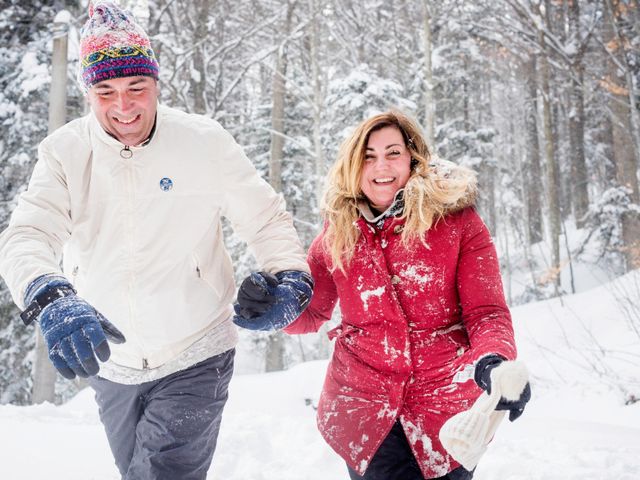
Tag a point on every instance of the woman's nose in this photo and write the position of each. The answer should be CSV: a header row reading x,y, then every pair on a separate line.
x,y
380,161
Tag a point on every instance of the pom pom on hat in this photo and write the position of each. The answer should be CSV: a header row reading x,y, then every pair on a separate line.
x,y
113,45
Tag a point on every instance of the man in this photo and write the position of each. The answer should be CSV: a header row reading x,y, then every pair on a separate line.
x,y
133,194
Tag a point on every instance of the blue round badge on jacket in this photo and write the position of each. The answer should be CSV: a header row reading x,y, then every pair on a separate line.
x,y
166,184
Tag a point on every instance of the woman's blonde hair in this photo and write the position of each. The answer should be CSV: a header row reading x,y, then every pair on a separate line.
x,y
427,195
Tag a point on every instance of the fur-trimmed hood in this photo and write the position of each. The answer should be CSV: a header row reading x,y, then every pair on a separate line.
x,y
455,177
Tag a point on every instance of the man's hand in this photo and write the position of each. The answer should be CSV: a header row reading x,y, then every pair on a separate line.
x,y
268,302
492,371
75,332
254,294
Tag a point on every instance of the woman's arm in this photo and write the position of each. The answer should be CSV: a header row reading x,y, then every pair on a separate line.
x,y
484,309
324,296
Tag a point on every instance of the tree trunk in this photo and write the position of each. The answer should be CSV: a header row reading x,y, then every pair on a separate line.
x,y
44,374
274,354
624,148
626,173
579,174
552,168
623,16
429,106
491,164
274,357
533,170
604,137
199,74
277,120
320,168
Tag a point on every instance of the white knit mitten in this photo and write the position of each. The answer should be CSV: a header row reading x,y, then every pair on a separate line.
x,y
466,435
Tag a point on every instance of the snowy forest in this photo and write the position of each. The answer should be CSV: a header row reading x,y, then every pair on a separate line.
x,y
540,97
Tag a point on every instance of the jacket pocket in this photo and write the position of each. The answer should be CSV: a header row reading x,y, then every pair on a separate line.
x,y
78,276
202,274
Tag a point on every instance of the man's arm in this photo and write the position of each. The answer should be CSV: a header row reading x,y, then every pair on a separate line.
x,y
280,292
40,225
30,254
257,213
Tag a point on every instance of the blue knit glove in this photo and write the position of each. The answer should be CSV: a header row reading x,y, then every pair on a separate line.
x,y
482,377
267,303
75,332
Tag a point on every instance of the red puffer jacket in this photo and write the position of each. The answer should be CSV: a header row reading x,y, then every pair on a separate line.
x,y
412,318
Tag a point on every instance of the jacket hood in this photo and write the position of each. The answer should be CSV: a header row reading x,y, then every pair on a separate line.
x,y
460,182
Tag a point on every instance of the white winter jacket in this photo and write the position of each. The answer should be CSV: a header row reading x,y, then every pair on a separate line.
x,y
142,237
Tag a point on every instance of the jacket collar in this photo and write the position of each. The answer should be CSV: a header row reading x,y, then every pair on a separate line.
x,y
102,135
394,210
368,222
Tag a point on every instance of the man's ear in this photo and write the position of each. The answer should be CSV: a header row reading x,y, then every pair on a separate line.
x,y
88,98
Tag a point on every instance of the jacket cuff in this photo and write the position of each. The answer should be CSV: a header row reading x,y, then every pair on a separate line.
x,y
483,369
43,283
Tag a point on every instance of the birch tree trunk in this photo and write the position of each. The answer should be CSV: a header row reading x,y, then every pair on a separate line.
x,y
550,160
491,170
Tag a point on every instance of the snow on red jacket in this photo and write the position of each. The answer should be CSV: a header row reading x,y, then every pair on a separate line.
x,y
412,318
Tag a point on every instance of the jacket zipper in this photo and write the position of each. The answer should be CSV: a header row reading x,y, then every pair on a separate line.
x,y
130,229
126,152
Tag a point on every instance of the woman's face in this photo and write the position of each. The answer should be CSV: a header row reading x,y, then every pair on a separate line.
x,y
386,168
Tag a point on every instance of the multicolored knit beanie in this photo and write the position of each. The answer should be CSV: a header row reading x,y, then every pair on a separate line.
x,y
113,45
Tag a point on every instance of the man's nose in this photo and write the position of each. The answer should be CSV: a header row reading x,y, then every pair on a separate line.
x,y
123,101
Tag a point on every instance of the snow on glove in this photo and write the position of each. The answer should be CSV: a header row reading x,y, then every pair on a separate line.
x,y
515,391
291,295
74,331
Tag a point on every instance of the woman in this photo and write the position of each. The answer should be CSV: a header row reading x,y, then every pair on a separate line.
x,y
418,281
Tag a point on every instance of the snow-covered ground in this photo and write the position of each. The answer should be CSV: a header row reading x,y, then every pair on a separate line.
x,y
584,358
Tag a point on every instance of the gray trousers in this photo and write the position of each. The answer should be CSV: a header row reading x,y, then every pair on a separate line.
x,y
166,429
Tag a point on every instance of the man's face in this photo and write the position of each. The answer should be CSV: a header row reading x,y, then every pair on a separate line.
x,y
126,107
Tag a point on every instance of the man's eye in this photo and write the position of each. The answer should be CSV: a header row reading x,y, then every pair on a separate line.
x,y
104,94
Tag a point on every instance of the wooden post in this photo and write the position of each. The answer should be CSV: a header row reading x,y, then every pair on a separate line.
x,y
44,374
58,92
